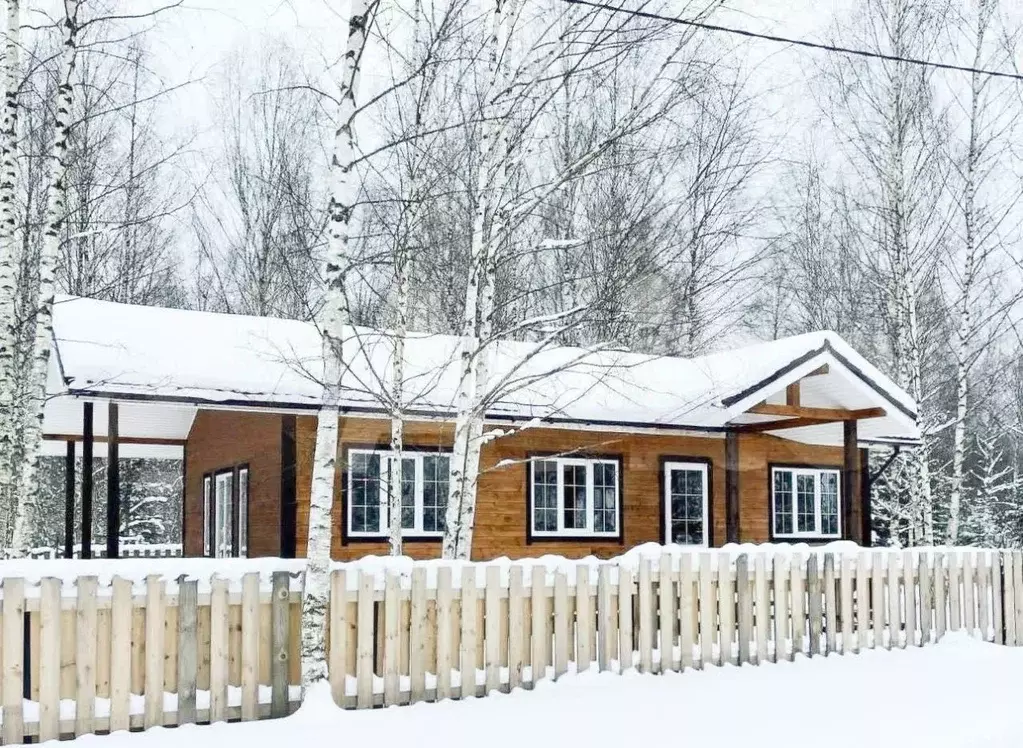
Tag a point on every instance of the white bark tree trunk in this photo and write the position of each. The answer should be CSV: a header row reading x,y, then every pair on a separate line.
x,y
8,261
56,210
394,484
332,319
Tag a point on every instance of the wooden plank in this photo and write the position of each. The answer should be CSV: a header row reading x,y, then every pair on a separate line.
x,y
984,596
877,575
392,638
954,594
847,613
188,649
338,640
170,647
138,652
745,606
470,596
365,631
816,414
85,654
625,612
726,601
926,598
417,636
666,612
909,592
940,596
562,624
1009,604
862,602
102,650
607,646
49,656
219,643
516,627
894,603
782,650
969,594
708,624
120,654
1017,587
687,610
830,607
250,646
13,645
798,602
280,617
814,612
205,647
584,618
645,600
996,597
538,624
155,635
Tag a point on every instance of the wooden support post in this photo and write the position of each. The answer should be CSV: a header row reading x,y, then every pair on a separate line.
x,y
850,478
792,394
87,442
113,483
866,529
732,486
69,500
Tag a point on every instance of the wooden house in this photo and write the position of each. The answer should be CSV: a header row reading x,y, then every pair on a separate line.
x,y
588,452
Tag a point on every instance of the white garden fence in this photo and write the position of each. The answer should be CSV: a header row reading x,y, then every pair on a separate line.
x,y
109,653
127,550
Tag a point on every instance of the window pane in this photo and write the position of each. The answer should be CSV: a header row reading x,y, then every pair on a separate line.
x,y
574,496
408,493
829,503
782,502
435,491
545,496
605,497
364,481
207,520
222,540
243,513
686,497
805,514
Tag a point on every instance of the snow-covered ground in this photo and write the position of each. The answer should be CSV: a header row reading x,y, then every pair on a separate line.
x,y
955,694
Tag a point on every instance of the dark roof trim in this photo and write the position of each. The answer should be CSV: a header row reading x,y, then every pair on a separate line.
x,y
826,348
434,414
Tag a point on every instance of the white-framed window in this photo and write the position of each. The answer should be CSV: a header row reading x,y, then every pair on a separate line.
x,y
686,515
572,496
806,502
424,492
226,512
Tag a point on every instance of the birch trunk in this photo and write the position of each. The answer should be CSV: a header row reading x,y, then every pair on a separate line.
x,y
394,482
479,300
965,330
332,320
8,261
55,217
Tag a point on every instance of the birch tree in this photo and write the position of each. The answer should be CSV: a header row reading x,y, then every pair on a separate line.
x,y
331,321
55,216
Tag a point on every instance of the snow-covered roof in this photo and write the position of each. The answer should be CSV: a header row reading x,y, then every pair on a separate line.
x,y
173,356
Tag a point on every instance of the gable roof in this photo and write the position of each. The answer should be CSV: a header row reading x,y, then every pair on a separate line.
x,y
126,352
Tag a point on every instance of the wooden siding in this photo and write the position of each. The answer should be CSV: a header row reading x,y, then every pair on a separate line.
x,y
501,513
222,439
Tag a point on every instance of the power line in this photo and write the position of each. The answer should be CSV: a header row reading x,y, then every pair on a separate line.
x,y
798,42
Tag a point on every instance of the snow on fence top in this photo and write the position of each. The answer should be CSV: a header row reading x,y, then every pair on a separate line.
x,y
177,355
203,570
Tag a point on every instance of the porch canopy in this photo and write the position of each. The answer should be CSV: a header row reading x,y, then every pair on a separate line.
x,y
158,366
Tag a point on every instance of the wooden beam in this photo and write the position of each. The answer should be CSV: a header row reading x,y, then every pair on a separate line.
x,y
866,526
823,414
818,371
87,442
113,482
145,440
69,501
732,487
792,395
787,423
850,478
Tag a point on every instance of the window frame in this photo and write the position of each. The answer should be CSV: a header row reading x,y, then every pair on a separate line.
x,y
703,464
418,454
588,534
238,540
816,471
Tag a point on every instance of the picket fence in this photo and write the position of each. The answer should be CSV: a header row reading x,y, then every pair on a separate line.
x,y
81,657
127,550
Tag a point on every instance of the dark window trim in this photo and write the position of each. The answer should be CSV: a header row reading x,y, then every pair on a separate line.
x,y
662,488
213,510
347,539
618,537
237,503
207,512
210,518
770,503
